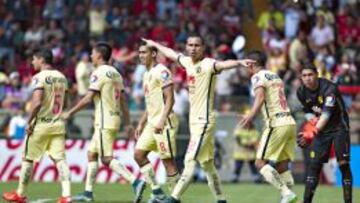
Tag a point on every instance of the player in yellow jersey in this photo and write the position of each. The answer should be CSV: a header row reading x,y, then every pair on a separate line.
x,y
277,144
201,77
107,91
158,125
45,130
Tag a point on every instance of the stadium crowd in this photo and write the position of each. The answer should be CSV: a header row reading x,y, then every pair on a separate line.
x,y
324,31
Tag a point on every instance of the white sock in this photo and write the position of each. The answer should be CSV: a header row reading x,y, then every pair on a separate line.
x,y
64,172
120,169
287,178
149,175
91,175
272,176
25,175
213,179
171,181
184,180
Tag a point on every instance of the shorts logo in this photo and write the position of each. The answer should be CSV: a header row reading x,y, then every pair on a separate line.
x,y
312,154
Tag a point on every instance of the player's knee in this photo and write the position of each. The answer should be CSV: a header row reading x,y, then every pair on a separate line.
x,y
140,157
170,166
92,156
345,169
259,163
106,160
208,166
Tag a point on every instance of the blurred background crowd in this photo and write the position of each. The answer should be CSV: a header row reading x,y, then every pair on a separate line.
x,y
326,32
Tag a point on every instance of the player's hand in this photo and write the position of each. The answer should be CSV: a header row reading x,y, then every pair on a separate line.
x,y
149,42
304,139
138,131
65,116
129,130
246,120
247,63
29,129
159,128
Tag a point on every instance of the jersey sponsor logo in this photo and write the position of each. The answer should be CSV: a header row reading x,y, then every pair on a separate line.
x,y
198,69
93,78
330,101
190,79
271,76
50,80
112,75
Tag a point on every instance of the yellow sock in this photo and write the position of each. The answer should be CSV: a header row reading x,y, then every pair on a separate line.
x,y
25,175
120,169
91,175
64,171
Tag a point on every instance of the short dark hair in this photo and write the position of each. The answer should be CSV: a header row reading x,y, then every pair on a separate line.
x,y
257,56
104,49
151,48
46,54
196,35
308,65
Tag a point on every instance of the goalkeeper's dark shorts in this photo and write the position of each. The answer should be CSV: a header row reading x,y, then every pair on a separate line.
x,y
321,147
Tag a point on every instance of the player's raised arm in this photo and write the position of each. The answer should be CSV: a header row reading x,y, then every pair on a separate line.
x,y
35,108
228,64
166,51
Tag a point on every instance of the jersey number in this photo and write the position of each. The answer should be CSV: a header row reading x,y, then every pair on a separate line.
x,y
282,98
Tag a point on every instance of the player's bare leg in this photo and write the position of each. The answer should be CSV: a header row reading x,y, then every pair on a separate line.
x,y
149,174
24,179
171,172
272,176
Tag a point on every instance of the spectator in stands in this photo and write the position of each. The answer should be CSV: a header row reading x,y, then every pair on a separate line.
x,y
16,95
271,14
322,34
298,50
97,21
82,72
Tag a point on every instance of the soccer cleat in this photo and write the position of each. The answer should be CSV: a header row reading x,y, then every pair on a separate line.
x,y
171,200
221,201
289,198
156,199
64,200
138,187
86,196
13,197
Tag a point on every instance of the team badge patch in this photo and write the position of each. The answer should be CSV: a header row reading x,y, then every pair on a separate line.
x,y
93,78
165,75
330,101
320,99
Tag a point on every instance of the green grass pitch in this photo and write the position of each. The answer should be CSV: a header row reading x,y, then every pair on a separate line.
x,y
196,193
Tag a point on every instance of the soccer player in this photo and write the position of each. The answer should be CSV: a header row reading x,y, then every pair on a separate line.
x,y
201,77
107,91
158,125
278,141
45,130
324,107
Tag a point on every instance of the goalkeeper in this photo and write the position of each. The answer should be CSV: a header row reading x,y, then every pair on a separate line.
x,y
328,123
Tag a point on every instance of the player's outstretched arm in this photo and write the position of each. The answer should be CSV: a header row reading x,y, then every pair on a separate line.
x,y
259,100
126,115
35,108
228,64
87,99
166,51
168,92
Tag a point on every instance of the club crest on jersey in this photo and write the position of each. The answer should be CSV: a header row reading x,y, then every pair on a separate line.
x,y
198,69
320,99
93,78
165,75
330,101
111,74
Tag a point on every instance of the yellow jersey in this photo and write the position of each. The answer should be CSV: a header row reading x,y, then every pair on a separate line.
x,y
54,86
154,81
107,82
201,79
275,109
